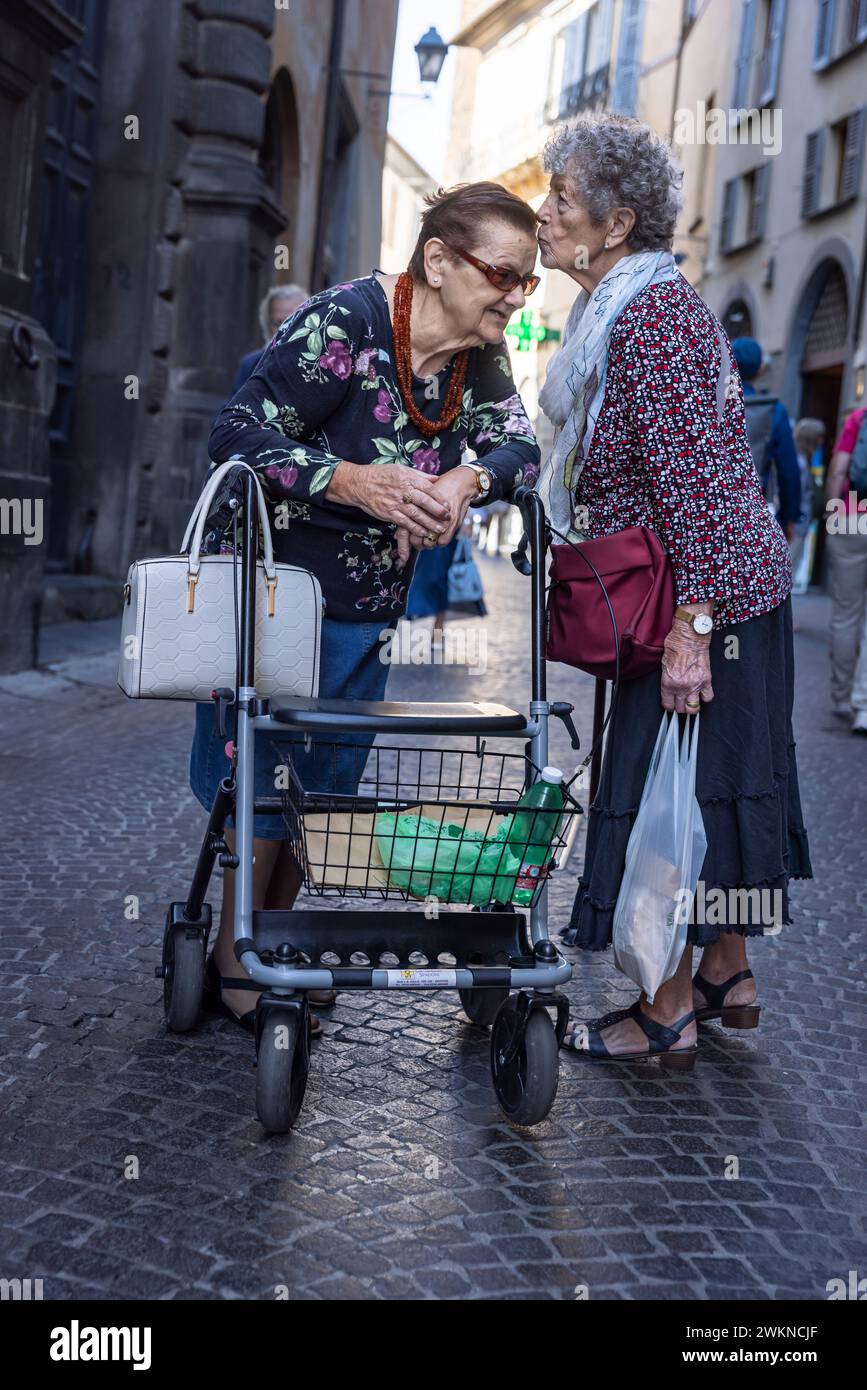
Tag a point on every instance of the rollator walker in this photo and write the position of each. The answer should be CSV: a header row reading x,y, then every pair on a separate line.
x,y
498,957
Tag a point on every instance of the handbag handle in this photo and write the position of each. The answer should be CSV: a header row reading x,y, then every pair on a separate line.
x,y
196,524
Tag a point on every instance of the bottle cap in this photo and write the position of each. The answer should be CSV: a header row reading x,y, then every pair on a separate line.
x,y
552,774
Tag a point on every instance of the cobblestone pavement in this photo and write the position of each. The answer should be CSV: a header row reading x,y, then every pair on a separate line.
x,y
401,1180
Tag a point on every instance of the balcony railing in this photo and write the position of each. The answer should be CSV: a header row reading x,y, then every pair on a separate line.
x,y
589,93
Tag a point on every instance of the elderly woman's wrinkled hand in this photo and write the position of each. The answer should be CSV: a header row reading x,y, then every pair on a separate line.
x,y
456,489
393,493
685,670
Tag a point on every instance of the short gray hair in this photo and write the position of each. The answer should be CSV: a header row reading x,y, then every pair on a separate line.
x,y
293,292
616,162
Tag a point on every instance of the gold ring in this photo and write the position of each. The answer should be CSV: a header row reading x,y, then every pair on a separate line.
x,y
406,499
692,704
429,536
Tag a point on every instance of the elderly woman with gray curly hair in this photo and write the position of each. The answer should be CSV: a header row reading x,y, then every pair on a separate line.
x,y
649,414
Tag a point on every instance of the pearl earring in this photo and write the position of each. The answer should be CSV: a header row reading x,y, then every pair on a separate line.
x,y
606,246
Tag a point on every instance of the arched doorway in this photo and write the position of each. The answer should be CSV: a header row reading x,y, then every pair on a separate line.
x,y
824,354
737,320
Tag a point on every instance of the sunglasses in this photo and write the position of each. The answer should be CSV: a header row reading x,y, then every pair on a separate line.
x,y
498,275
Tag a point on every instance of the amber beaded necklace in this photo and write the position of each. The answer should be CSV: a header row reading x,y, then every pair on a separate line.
x,y
403,364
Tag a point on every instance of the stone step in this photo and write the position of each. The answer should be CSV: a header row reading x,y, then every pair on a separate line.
x,y
88,597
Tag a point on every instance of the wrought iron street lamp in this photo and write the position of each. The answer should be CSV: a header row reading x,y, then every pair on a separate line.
x,y
431,55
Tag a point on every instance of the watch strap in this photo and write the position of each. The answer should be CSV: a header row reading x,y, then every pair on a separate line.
x,y
479,470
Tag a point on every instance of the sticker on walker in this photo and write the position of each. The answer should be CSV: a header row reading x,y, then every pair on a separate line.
x,y
422,979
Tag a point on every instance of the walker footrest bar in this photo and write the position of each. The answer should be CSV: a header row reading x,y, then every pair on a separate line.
x,y
489,944
470,717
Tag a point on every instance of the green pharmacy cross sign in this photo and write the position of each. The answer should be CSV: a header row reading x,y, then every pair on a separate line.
x,y
529,330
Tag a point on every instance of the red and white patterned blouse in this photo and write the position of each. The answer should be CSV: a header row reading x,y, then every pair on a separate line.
x,y
660,457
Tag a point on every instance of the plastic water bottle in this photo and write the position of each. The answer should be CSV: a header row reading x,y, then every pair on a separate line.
x,y
534,826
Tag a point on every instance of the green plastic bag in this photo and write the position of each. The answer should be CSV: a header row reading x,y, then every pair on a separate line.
x,y
452,863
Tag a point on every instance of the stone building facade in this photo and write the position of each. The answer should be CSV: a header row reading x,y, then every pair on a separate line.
x,y
193,153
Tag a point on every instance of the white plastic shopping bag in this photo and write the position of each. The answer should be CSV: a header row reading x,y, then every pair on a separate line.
x,y
663,861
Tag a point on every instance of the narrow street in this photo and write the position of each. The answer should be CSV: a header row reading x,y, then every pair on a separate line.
x,y
133,1165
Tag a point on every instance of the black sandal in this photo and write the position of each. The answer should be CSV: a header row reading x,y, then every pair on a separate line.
x,y
732,1015
212,998
660,1038
212,995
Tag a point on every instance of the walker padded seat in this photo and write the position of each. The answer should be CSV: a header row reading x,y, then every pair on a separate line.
x,y
401,716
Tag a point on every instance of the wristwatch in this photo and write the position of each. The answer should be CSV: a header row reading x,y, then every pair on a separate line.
x,y
483,477
701,622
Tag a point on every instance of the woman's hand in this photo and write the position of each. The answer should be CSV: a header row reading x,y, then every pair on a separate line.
x,y
685,669
457,488
395,493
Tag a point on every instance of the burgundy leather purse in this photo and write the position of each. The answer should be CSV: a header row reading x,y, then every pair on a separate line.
x,y
638,577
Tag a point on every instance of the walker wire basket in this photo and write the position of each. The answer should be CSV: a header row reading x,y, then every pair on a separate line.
x,y
425,824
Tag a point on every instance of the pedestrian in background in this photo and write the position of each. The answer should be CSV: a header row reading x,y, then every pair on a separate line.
x,y
651,432
770,436
847,569
278,304
809,438
429,591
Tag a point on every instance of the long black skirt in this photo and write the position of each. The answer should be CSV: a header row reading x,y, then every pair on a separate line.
x,y
746,786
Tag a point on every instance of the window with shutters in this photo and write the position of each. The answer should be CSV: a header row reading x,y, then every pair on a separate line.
x,y
744,54
833,164
582,61
628,67
825,15
841,29
729,212
811,186
773,20
745,206
758,53
849,138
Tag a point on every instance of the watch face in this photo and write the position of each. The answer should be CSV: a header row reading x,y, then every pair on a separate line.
x,y
703,624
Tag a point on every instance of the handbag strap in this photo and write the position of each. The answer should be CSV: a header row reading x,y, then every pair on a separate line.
x,y
192,541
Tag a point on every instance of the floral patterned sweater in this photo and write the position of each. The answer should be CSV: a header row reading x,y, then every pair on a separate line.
x,y
661,458
325,389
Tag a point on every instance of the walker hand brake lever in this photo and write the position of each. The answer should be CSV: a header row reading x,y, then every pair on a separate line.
x,y
223,698
564,711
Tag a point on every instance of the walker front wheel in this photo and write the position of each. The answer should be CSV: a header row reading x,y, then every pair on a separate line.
x,y
525,1061
282,1067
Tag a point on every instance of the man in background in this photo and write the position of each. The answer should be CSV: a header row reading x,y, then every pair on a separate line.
x,y
771,441
278,304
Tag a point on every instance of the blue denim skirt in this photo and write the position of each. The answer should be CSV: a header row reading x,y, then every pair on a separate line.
x,y
350,669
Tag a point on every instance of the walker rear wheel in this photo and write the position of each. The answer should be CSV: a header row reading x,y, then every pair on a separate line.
x,y
183,972
525,1077
282,1067
481,1005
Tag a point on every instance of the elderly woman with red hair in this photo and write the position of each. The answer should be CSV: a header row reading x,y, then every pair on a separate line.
x,y
357,419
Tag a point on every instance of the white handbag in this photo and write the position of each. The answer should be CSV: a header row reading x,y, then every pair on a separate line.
x,y
178,630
